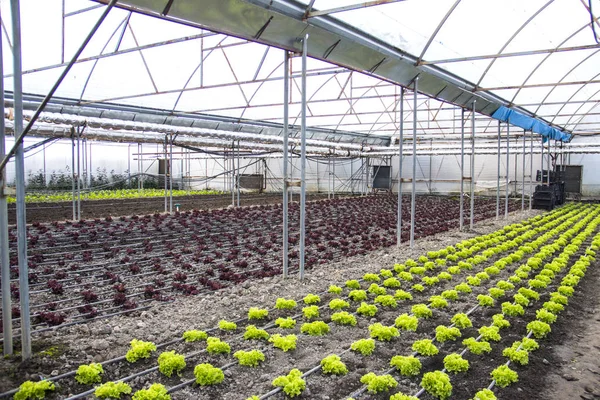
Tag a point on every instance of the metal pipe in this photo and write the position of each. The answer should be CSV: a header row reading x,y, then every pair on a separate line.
x,y
472,220
333,179
400,145
286,90
78,173
171,174
523,177
303,159
7,333
462,167
20,181
507,170
413,199
531,171
498,177
21,134
238,175
548,163
166,172
73,174
542,162
232,183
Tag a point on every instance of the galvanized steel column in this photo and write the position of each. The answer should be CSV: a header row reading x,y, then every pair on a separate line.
x,y
303,159
78,173
523,177
462,166
498,177
531,171
507,170
20,180
73,197
413,199
548,164
4,249
239,167
286,90
400,149
472,217
171,174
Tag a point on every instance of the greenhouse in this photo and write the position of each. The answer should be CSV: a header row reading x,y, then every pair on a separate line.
x,y
252,199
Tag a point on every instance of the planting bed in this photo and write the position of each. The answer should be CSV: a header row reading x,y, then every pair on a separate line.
x,y
92,269
556,249
63,210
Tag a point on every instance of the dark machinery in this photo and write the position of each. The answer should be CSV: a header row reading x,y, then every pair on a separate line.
x,y
549,195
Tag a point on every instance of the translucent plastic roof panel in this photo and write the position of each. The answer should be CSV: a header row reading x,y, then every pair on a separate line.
x,y
544,46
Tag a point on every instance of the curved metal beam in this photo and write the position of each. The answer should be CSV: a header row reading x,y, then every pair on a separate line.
x,y
200,64
581,106
434,34
89,77
548,56
512,38
564,77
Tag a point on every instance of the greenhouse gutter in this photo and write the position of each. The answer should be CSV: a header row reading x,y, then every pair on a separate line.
x,y
62,128
280,23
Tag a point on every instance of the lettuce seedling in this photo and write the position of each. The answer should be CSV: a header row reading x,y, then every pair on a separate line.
x,y
34,390
89,374
139,349
284,343
425,347
207,375
378,383
249,358
437,384
156,391
292,384
112,390
333,364
406,365
170,362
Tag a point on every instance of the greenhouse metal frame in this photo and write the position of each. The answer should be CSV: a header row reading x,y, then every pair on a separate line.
x,y
343,48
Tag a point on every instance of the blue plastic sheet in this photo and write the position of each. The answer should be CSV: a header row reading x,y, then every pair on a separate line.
x,y
521,120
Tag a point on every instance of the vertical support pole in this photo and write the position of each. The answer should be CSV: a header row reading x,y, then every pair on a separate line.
x,y
542,161
232,166
166,174
303,159
4,249
352,175
239,168
498,177
472,216
531,171
413,199
84,162
73,196
43,147
400,149
523,177
507,170
78,173
286,90
333,179
139,165
171,174
548,164
462,167
20,180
